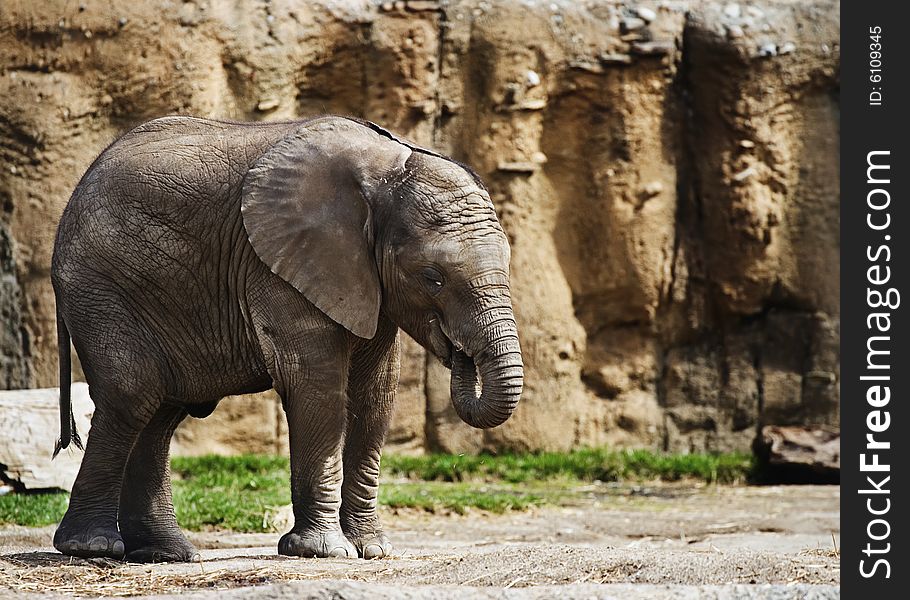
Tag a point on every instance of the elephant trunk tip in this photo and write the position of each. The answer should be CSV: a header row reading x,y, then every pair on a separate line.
x,y
501,385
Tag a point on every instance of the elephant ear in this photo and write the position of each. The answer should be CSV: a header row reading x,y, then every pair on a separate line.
x,y
305,210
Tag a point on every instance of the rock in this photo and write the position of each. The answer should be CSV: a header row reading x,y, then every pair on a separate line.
x,y
767,49
279,519
630,24
615,59
588,66
268,104
654,48
30,420
646,13
425,107
800,451
532,79
607,381
653,188
732,11
422,5
189,14
530,104
539,158
519,166
787,48
745,173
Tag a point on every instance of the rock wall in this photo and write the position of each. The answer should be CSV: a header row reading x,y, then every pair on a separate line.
x,y
13,363
667,173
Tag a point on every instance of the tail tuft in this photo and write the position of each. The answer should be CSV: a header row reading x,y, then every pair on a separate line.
x,y
68,431
75,439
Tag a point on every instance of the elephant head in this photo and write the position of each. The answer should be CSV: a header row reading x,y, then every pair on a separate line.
x,y
363,223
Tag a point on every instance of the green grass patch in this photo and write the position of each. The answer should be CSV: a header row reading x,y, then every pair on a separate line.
x,y
459,497
237,493
32,510
584,465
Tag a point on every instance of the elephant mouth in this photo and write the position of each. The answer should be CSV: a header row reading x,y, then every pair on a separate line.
x,y
443,345
464,369
459,361
448,357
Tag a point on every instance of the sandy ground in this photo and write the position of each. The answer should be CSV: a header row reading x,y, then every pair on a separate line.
x,y
618,541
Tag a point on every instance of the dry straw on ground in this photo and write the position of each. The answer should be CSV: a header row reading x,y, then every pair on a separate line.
x,y
101,577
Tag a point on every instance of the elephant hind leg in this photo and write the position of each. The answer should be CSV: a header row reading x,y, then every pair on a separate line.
x,y
126,377
147,520
89,527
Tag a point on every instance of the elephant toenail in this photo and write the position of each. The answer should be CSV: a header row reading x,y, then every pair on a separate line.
x,y
118,549
373,551
339,552
98,544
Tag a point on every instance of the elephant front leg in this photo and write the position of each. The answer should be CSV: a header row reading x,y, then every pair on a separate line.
x,y
359,520
371,392
316,422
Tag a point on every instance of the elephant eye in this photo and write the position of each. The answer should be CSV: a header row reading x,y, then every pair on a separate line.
x,y
433,279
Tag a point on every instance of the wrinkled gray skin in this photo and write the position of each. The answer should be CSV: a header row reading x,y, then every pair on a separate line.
x,y
199,259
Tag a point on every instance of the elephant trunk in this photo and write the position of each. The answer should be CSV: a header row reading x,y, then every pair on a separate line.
x,y
494,352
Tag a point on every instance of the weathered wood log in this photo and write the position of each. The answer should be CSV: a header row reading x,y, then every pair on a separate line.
x,y
800,453
29,427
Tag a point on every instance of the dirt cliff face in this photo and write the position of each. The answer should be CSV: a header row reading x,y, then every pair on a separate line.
x,y
667,173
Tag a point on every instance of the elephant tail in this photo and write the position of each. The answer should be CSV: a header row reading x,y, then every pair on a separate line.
x,y
68,431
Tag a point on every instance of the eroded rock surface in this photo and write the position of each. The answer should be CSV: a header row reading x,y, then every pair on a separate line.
x,y
667,173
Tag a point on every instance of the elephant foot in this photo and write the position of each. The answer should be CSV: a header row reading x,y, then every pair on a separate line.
x,y
375,545
90,543
318,544
151,541
157,554
178,550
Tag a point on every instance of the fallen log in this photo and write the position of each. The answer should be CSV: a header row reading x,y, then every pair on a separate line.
x,y
799,454
29,427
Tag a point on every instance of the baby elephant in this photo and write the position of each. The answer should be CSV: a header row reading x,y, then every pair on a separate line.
x,y
198,259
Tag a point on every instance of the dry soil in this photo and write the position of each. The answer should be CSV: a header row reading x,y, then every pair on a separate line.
x,y
660,541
